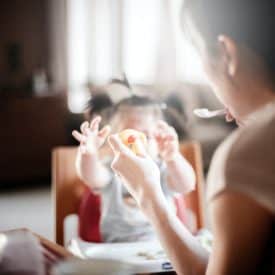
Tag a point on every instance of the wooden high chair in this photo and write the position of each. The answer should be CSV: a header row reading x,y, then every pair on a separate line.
x,y
194,201
68,189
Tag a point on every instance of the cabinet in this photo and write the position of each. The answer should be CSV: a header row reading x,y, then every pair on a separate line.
x,y
30,128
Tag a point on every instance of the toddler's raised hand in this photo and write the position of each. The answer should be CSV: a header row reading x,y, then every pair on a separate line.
x,y
167,140
90,137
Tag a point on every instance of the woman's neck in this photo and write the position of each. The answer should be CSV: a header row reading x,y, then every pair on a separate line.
x,y
264,97
257,102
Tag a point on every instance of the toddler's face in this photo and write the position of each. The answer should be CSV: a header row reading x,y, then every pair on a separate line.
x,y
142,119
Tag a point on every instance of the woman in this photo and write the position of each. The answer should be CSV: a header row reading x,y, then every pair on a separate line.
x,y
235,40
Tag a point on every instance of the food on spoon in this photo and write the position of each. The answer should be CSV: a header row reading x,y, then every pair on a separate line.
x,y
130,137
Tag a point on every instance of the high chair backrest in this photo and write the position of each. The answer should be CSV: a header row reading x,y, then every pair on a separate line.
x,y
68,190
194,201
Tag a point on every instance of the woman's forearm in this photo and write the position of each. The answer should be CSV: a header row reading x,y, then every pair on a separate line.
x,y
141,176
186,254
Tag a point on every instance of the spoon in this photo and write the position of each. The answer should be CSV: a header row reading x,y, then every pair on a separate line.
x,y
205,113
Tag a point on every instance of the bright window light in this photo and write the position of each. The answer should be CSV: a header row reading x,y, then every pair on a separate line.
x,y
188,65
77,99
99,35
3,242
140,39
77,43
89,48
77,55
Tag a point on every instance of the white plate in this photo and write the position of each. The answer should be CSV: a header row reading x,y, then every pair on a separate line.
x,y
94,267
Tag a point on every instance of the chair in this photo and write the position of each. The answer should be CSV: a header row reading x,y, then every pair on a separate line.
x,y
68,190
195,200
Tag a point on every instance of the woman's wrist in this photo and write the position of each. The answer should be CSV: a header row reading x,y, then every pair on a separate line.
x,y
153,203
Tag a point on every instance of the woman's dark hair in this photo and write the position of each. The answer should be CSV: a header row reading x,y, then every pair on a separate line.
x,y
249,22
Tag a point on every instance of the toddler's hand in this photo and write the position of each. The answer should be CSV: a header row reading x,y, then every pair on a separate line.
x,y
90,137
167,140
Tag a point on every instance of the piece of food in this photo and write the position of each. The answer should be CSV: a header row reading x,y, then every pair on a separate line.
x,y
129,137
152,255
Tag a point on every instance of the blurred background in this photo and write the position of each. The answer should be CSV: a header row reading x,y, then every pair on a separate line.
x,y
51,55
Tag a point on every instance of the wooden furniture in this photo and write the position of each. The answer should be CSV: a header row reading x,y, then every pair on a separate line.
x,y
195,200
31,128
68,189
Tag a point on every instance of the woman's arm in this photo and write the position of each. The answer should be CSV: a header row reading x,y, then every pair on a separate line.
x,y
241,227
142,178
188,257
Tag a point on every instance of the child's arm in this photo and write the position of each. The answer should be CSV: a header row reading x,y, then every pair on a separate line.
x,y
180,174
88,165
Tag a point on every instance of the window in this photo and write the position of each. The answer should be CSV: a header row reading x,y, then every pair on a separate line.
x,y
141,38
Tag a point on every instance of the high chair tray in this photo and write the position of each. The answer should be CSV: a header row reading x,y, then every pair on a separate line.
x,y
141,257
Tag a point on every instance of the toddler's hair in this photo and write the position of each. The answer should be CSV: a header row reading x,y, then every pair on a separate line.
x,y
99,104
140,101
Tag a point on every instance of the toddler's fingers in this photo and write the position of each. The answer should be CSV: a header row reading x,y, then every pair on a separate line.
x,y
169,138
84,126
166,128
157,135
163,138
169,144
95,123
163,132
105,131
87,131
161,124
78,136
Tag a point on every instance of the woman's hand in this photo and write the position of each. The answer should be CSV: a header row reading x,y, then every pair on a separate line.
x,y
90,137
139,173
167,140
